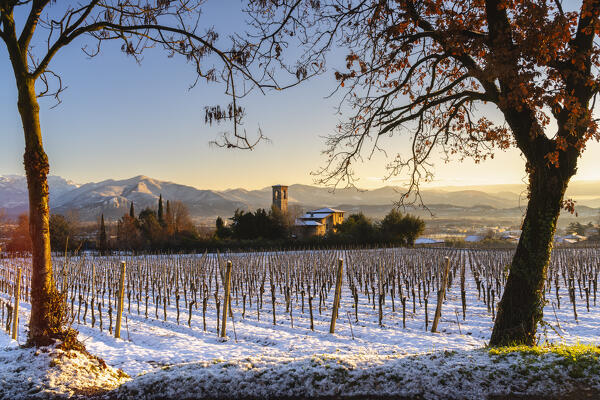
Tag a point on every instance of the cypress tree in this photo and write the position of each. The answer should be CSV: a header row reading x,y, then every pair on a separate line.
x,y
132,211
160,210
168,209
102,239
169,220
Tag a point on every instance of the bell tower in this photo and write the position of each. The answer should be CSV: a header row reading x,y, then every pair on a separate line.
x,y
280,197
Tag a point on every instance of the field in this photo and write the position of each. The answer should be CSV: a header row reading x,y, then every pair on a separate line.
x,y
282,305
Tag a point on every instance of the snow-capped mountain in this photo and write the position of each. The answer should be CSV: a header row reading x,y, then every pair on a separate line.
x,y
114,197
13,191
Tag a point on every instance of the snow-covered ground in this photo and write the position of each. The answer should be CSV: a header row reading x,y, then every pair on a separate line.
x,y
474,374
50,372
154,347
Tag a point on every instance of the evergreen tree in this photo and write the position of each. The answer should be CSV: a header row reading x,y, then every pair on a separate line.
x,y
102,239
220,224
358,229
128,235
279,223
398,228
60,232
222,231
160,210
150,228
169,219
132,211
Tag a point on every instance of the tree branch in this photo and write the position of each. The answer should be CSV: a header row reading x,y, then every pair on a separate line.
x,y
69,35
32,20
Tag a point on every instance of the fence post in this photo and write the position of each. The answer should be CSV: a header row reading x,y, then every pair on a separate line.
x,y
338,292
227,284
441,294
16,307
120,304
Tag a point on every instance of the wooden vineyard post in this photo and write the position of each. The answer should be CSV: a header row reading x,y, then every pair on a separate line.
x,y
463,293
120,299
338,292
310,309
227,284
441,295
15,329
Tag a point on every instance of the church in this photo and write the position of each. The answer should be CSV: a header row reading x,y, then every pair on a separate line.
x,y
312,223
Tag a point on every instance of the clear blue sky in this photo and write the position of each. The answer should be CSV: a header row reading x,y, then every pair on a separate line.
x,y
119,119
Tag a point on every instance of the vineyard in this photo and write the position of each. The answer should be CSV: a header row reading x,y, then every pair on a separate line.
x,y
384,301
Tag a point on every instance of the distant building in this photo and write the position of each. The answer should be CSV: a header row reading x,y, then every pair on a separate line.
x,y
510,237
569,239
280,198
428,241
319,222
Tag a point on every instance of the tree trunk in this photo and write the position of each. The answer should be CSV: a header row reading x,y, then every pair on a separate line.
x,y
521,307
46,305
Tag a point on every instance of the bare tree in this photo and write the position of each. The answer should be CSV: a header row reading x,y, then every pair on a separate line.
x,y
433,70
182,221
173,25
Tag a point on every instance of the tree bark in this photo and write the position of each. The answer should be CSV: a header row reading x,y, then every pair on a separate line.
x,y
46,318
521,307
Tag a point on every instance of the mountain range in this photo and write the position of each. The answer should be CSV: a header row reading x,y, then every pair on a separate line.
x,y
113,198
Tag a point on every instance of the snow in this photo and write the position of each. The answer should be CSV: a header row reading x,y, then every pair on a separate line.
x,y
320,213
450,375
300,222
314,215
50,372
327,210
425,240
265,360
